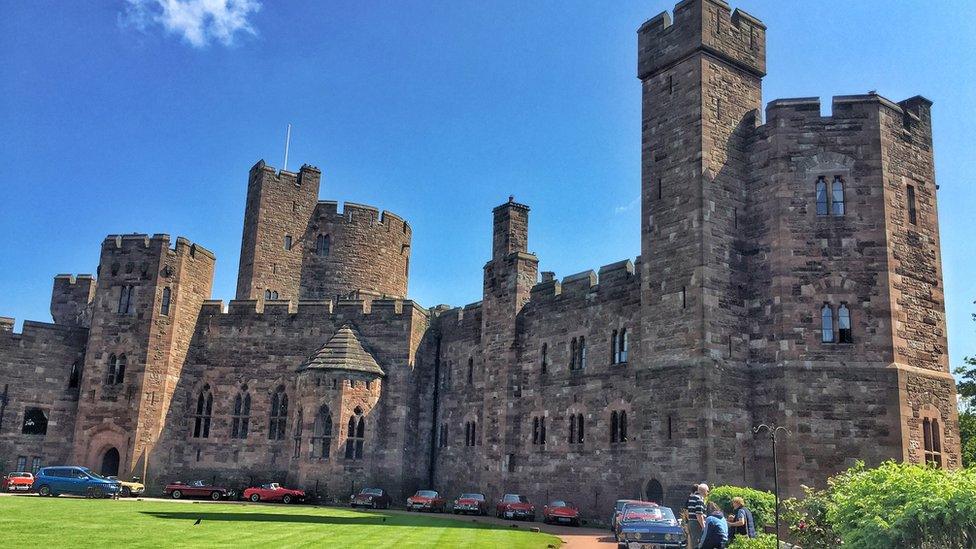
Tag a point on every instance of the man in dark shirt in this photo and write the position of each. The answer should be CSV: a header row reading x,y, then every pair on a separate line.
x,y
743,523
696,513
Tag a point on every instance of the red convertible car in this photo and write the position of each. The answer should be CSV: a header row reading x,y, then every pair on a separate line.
x,y
426,500
197,489
273,492
17,482
471,503
376,498
514,506
562,512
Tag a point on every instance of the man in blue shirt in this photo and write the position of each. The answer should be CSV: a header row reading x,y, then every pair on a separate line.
x,y
742,524
716,534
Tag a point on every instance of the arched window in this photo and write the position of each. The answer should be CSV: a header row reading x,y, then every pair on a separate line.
x,y
164,307
539,430
242,414
614,425
322,437
576,428
274,295
470,430
470,371
582,352
116,370
545,357
837,196
279,415
822,208
125,299
356,435
74,377
624,345
204,410
614,352
623,425
267,294
844,324
579,428
572,354
932,441
572,428
323,245
826,324
298,433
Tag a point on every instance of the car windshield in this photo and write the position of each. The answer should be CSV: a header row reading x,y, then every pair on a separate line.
x,y
559,503
479,497
426,493
514,498
647,513
372,492
621,503
196,483
93,474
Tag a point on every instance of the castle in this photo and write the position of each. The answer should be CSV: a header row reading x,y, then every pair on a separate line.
x,y
789,274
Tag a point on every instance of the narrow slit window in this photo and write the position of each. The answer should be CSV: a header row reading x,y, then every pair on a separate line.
x,y
912,213
614,353
287,242
826,324
164,307
844,324
624,346
545,357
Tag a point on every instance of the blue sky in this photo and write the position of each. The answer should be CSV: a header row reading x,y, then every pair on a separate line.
x,y
120,118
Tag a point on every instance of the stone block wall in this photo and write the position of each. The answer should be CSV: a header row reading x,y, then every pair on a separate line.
x,y
71,299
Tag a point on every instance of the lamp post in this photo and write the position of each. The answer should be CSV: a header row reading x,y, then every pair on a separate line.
x,y
773,429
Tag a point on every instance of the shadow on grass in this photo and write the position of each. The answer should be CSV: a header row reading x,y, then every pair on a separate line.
x,y
372,520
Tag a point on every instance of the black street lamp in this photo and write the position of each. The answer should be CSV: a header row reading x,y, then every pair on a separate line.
x,y
773,429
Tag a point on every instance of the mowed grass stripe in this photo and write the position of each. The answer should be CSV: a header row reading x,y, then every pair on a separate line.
x,y
62,522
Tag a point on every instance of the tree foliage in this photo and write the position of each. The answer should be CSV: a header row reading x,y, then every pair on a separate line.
x,y
762,504
966,388
903,505
807,521
762,541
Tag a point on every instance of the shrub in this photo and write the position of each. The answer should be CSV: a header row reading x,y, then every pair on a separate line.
x,y
807,519
763,541
902,505
762,504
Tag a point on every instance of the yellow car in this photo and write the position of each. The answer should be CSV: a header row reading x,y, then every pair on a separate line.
x,y
130,488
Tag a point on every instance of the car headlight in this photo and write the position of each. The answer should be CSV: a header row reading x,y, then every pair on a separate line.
x,y
669,537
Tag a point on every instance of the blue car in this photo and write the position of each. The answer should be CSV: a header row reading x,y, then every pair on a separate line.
x,y
81,481
649,526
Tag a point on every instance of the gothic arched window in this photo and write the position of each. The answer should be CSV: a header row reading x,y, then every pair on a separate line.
x,y
822,206
322,437
116,370
932,441
614,426
582,353
279,415
844,324
323,245
826,324
74,377
356,435
837,196
241,419
204,410
623,346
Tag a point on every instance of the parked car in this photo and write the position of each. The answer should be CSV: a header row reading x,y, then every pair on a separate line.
x,y
273,492
426,500
80,481
375,498
615,517
19,481
471,503
130,487
198,489
561,512
649,525
514,506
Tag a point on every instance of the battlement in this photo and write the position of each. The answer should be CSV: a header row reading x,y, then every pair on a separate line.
x,y
612,276
707,26
469,314
360,214
798,111
343,308
156,242
270,173
41,332
71,297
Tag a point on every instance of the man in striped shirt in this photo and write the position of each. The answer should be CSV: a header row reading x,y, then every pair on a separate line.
x,y
696,513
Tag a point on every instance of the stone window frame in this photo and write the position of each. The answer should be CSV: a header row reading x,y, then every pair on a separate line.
x,y
539,429
443,439
202,412
838,335
356,435
115,370
544,357
323,245
241,414
21,463
323,433
74,375
278,414
827,316
288,243
933,435
165,301
576,426
619,426
470,370
125,300
911,204
470,432
35,464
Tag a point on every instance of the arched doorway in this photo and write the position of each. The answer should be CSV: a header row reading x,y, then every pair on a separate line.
x,y
653,491
110,463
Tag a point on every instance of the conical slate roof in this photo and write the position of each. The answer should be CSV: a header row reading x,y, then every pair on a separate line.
x,y
343,351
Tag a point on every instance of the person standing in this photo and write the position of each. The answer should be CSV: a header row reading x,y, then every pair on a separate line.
x,y
696,513
716,530
742,524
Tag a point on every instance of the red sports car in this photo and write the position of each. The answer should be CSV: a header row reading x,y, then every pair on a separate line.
x,y
562,512
376,498
273,492
514,506
17,482
426,500
471,503
197,489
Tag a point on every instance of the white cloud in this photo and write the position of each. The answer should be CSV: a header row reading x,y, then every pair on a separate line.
x,y
198,21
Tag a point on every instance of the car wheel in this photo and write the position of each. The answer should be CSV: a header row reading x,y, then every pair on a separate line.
x,y
286,499
125,492
215,496
255,498
44,491
177,494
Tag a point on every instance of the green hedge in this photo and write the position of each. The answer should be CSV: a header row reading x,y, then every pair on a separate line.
x,y
762,504
764,541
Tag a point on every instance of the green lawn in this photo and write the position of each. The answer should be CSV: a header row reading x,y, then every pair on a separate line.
x,y
43,523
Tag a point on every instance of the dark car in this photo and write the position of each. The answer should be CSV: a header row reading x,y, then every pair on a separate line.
x,y
645,525
514,506
426,500
561,512
471,503
80,481
375,498
198,489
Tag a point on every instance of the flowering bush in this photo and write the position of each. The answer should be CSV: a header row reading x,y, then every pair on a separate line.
x,y
762,504
807,520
